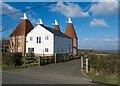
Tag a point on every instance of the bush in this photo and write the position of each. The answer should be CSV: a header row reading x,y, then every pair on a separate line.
x,y
11,59
105,65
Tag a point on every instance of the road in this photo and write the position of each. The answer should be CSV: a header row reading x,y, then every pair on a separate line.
x,y
60,73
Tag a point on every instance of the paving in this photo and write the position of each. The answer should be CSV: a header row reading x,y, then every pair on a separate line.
x,y
60,73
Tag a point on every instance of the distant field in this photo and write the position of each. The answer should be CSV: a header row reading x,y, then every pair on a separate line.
x,y
101,51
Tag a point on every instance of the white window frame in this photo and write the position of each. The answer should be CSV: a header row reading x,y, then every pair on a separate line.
x,y
46,50
46,37
31,38
38,39
19,49
13,39
19,38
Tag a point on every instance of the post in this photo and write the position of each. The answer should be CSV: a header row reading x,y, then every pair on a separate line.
x,y
43,52
39,61
55,59
25,61
81,62
86,65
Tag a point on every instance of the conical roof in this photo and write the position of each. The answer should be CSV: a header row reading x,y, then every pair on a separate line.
x,y
56,26
70,31
23,28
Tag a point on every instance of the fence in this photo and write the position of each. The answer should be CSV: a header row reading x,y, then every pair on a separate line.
x,y
85,65
32,60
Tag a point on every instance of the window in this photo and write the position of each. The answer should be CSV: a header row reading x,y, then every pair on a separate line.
x,y
13,39
46,49
12,49
38,39
30,50
31,38
46,37
19,39
19,49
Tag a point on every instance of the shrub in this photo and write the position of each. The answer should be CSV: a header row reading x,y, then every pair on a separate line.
x,y
11,59
105,65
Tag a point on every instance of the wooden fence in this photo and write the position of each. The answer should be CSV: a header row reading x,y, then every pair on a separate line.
x,y
85,65
31,60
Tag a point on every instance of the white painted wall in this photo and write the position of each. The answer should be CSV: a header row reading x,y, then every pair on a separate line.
x,y
39,48
62,43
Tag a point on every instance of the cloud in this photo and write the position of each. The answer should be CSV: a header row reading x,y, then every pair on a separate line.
x,y
6,9
69,10
104,8
99,23
108,0
10,9
27,7
86,39
34,21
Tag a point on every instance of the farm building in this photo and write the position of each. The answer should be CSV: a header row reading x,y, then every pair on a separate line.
x,y
43,40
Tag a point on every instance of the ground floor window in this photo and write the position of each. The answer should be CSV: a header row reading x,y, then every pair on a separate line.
x,y
12,49
46,49
19,49
30,50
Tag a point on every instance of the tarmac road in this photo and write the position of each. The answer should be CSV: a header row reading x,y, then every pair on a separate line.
x,y
60,73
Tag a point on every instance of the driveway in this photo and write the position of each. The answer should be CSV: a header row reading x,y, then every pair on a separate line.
x,y
60,73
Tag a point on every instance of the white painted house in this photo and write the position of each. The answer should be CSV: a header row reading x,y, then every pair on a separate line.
x,y
46,41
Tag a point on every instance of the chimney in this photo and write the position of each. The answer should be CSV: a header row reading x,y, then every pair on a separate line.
x,y
70,32
56,26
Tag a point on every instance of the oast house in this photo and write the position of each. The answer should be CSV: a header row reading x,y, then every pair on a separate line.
x,y
43,40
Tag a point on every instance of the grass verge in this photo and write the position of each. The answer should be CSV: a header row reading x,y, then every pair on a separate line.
x,y
5,67
110,79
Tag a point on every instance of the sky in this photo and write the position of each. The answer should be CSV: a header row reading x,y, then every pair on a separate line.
x,y
96,23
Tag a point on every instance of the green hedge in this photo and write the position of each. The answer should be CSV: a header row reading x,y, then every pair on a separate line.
x,y
11,59
105,65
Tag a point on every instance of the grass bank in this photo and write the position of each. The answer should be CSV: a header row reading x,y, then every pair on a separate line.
x,y
100,78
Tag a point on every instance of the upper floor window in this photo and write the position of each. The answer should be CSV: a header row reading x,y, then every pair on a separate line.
x,y
19,39
13,39
46,37
46,49
31,38
38,39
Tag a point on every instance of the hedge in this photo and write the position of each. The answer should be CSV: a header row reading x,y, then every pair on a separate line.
x,y
105,65
11,59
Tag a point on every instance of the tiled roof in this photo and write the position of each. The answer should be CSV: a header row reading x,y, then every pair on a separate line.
x,y
55,32
70,31
23,28
56,27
